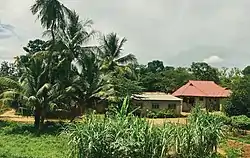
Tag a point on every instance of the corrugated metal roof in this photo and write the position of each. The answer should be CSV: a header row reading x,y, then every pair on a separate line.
x,y
155,96
202,89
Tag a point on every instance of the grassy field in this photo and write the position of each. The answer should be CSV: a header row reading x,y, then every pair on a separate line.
x,y
244,139
21,141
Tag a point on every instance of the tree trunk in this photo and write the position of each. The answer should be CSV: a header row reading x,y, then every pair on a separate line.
x,y
37,114
74,113
53,33
41,124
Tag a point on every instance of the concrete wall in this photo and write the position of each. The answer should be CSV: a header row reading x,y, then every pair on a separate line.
x,y
147,105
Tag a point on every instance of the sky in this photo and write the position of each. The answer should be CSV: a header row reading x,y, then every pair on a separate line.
x,y
178,32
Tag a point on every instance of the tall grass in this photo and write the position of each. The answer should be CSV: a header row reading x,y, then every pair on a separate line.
x,y
127,136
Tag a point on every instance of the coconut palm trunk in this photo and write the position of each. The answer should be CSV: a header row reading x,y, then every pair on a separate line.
x,y
37,116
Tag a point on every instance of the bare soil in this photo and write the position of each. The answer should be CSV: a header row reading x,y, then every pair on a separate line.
x,y
10,116
245,148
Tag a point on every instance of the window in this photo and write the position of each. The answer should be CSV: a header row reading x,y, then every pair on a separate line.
x,y
172,106
155,106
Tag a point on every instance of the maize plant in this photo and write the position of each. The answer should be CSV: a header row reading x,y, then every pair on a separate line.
x,y
128,136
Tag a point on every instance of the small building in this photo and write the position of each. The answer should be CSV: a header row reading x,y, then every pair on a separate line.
x,y
157,101
204,93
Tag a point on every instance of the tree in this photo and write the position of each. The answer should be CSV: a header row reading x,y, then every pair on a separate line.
x,y
125,83
111,53
153,82
246,71
89,85
239,102
155,66
51,14
175,78
8,70
75,36
35,46
156,77
229,76
203,71
33,89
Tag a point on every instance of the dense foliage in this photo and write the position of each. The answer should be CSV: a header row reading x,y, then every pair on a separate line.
x,y
239,102
241,122
125,135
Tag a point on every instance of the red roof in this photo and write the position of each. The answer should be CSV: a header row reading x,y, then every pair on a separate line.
x,y
202,89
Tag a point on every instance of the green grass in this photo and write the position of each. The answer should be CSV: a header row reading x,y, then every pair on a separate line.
x,y
230,152
242,138
22,141
233,152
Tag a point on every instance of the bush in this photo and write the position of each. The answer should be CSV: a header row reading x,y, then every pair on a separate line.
x,y
238,103
24,111
241,122
231,109
3,109
151,114
166,113
223,119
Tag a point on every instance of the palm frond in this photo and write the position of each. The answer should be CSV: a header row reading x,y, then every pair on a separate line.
x,y
119,47
44,89
10,84
130,58
10,94
6,101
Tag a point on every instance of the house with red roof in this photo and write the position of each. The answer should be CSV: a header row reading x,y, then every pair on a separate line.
x,y
208,94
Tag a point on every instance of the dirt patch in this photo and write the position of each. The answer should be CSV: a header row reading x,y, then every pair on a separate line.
x,y
10,116
245,148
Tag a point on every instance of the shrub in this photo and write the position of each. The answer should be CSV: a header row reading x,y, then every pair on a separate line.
x,y
3,109
165,113
151,114
223,119
24,111
241,122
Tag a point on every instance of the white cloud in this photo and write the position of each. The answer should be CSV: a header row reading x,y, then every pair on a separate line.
x,y
213,59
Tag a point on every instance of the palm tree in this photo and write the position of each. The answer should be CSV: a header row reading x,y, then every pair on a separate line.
x,y
32,90
90,84
76,35
111,53
50,13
